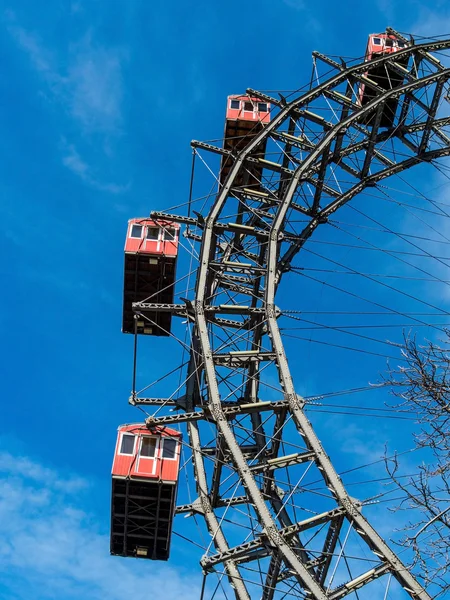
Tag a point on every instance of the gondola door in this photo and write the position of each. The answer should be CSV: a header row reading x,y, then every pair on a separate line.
x,y
147,457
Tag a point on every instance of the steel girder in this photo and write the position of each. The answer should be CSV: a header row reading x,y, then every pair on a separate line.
x,y
241,264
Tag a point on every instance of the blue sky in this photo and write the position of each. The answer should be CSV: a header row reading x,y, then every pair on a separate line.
x,y
99,103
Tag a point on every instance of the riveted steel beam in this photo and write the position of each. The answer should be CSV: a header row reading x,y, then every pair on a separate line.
x,y
329,547
372,139
431,114
281,462
242,550
358,582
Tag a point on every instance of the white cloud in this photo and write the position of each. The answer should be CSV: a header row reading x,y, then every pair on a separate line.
x,y
39,58
88,86
53,547
89,83
31,471
94,80
362,442
432,19
74,162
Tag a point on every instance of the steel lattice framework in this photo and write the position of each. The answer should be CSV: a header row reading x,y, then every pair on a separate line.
x,y
311,167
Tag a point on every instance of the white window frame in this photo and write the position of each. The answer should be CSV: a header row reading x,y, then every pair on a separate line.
x,y
154,459
166,231
246,109
135,237
235,100
176,449
120,444
375,43
152,239
155,456
260,109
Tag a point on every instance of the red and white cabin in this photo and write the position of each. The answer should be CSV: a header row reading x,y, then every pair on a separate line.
x,y
245,117
152,237
144,486
151,250
381,44
245,108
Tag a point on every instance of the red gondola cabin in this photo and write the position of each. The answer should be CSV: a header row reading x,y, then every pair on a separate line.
x,y
151,250
245,117
144,488
385,76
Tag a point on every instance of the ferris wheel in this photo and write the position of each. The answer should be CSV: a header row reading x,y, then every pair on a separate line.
x,y
277,519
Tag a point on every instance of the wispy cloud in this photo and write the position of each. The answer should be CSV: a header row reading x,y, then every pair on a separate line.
x,y
28,470
56,546
74,162
94,81
87,85
363,443
39,57
433,19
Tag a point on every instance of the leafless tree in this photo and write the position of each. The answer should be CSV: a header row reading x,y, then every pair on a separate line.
x,y
422,387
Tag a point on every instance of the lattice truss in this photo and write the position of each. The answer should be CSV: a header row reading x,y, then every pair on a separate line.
x,y
255,455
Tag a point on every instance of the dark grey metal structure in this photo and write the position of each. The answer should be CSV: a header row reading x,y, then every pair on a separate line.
x,y
248,239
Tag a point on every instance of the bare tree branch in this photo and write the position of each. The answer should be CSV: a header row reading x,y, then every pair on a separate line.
x,y
423,388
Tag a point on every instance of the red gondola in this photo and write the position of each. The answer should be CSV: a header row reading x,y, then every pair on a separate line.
x,y
151,250
385,76
144,487
245,118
